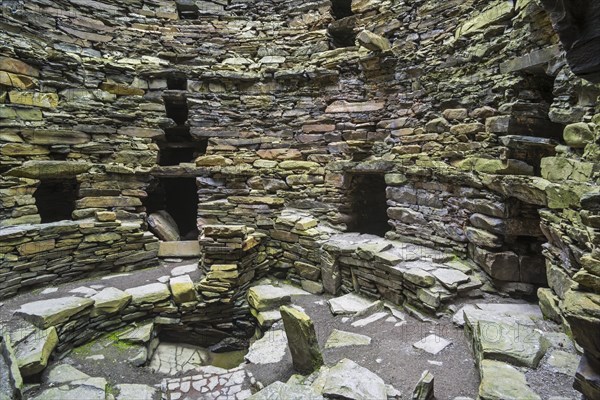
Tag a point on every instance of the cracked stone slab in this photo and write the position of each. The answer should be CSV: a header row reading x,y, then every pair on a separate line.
x,y
432,344
349,304
279,390
210,383
343,339
269,349
33,351
171,359
46,313
127,391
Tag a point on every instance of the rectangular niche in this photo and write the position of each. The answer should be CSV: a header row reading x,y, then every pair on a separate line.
x,y
178,146
368,204
55,199
177,197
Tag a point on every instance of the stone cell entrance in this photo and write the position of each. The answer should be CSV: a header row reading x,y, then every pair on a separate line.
x,y
55,199
178,197
368,204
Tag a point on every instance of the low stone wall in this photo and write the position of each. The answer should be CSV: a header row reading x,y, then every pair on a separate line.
x,y
65,251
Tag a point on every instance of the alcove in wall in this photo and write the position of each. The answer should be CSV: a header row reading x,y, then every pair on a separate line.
x,y
179,197
341,28
55,199
368,204
178,146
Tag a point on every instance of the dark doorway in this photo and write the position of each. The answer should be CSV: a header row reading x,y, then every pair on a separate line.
x,y
341,8
369,204
187,9
342,27
178,146
55,199
179,197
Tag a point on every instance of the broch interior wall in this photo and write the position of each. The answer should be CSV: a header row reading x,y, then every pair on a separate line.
x,y
465,115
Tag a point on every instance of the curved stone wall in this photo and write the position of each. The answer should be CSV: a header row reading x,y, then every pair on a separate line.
x,y
487,140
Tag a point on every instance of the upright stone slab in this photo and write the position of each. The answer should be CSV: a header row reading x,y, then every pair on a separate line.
x,y
302,340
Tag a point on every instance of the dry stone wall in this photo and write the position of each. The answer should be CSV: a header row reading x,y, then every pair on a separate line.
x,y
486,141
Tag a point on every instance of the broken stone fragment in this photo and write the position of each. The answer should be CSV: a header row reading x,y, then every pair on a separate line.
x,y
302,340
342,339
349,304
578,135
138,333
372,41
500,381
348,380
163,225
33,349
424,388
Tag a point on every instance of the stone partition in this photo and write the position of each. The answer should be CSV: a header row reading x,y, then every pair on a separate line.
x,y
66,251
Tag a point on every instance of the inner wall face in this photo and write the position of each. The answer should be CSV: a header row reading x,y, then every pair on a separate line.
x,y
290,115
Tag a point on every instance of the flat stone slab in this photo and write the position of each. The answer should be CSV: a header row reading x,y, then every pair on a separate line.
x,y
183,248
46,313
370,319
109,301
516,344
129,391
88,389
432,344
450,278
184,269
563,362
343,339
269,297
172,359
349,304
279,390
138,334
64,373
348,380
500,381
152,293
269,349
